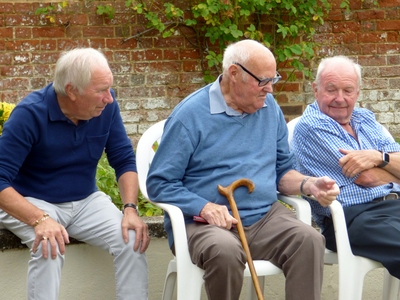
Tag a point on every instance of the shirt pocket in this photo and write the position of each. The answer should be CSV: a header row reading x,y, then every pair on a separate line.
x,y
96,145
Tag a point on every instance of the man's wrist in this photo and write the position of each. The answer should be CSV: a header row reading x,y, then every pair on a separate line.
x,y
302,185
129,205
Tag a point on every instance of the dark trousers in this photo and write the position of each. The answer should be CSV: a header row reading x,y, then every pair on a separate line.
x,y
374,232
279,237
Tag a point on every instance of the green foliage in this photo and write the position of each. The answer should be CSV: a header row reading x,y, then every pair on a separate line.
x,y
106,10
285,26
106,182
49,10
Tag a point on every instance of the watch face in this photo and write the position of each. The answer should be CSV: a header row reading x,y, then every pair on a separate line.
x,y
385,157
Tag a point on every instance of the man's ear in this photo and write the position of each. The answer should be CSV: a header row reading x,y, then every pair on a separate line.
x,y
71,91
233,72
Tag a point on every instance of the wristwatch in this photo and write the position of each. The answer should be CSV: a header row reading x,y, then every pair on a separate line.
x,y
129,205
385,159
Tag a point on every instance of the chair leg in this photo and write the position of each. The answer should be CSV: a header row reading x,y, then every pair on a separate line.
x,y
391,287
170,281
252,294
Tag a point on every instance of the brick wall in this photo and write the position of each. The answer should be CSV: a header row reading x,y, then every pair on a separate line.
x,y
153,74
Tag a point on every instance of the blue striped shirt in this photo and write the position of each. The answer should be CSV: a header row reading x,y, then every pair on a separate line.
x,y
316,142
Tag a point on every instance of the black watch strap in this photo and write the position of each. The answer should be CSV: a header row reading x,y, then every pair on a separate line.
x,y
129,205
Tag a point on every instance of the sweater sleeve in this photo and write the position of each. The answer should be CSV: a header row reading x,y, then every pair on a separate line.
x,y
167,170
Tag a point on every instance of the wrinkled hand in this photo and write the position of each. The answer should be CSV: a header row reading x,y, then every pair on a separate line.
x,y
218,215
131,221
356,161
325,190
49,231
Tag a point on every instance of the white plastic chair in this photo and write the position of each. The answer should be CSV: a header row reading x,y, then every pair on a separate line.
x,y
181,271
352,268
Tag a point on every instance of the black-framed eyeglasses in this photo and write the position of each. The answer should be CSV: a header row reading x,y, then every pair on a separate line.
x,y
261,82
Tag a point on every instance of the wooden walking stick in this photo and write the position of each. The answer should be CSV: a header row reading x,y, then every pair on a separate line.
x,y
228,193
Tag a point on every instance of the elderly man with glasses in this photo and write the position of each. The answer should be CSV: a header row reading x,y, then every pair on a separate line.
x,y
227,130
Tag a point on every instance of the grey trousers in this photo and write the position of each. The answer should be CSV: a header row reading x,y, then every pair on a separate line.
x,y
279,237
95,221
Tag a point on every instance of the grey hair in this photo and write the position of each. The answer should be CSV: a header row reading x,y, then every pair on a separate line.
x,y
75,67
336,60
239,52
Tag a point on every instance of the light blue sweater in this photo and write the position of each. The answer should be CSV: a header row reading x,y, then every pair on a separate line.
x,y
205,143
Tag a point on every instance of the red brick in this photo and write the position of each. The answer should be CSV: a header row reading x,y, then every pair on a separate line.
x,y
67,44
6,33
368,26
388,48
10,96
369,60
191,77
147,55
5,58
45,57
117,43
23,45
393,37
346,26
287,87
389,3
145,67
23,32
23,8
99,43
335,15
6,7
48,32
38,83
16,84
189,54
122,56
171,42
98,31
368,49
95,20
22,58
121,68
390,71
171,54
388,25
44,70
78,19
282,98
371,37
21,20
393,59
48,45
370,15
180,92
17,71
162,79
392,14
191,66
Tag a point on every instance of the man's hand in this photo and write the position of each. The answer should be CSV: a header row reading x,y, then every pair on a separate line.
x,y
356,161
131,221
218,215
49,231
325,190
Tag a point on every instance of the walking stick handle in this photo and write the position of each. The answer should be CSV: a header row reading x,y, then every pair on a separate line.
x,y
228,193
